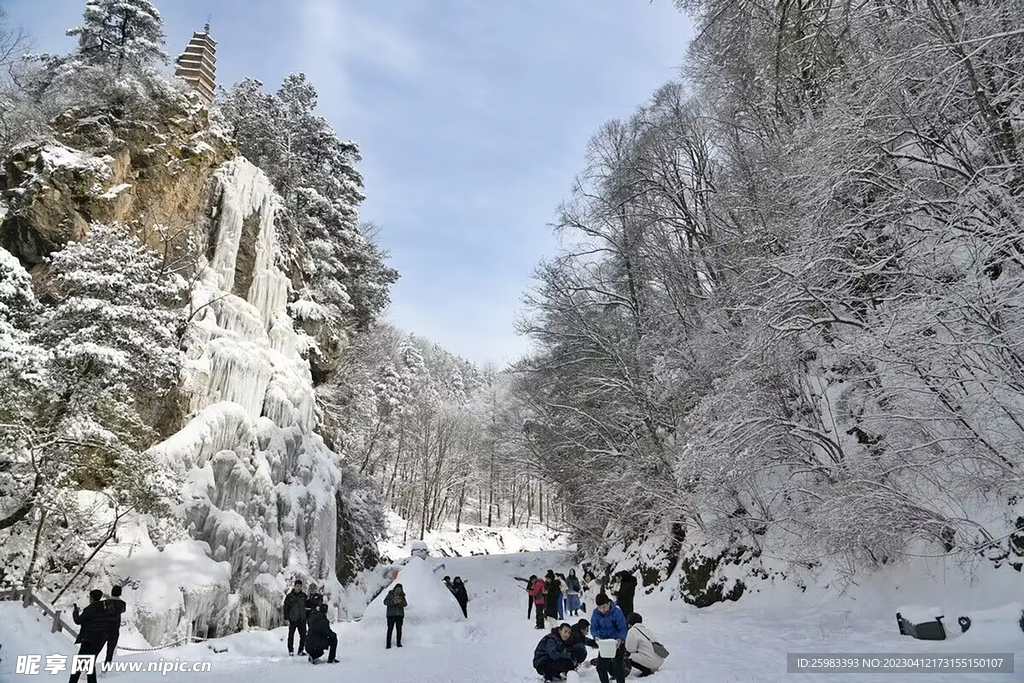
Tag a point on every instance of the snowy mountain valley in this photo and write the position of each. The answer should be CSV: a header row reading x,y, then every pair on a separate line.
x,y
775,369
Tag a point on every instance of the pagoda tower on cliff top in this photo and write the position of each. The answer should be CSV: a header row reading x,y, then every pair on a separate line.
x,y
197,65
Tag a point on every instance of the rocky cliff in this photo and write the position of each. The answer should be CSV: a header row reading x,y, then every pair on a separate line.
x,y
264,499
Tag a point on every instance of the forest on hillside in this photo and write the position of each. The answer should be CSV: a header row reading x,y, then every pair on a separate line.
x,y
788,320
131,316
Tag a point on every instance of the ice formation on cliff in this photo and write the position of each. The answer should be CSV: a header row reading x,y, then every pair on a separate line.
x,y
258,482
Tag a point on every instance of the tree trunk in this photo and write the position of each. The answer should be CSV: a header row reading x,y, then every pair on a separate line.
x,y
81,568
35,549
540,500
458,513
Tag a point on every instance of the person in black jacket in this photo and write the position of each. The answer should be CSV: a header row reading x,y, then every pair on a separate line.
x,y
320,637
553,596
92,635
396,603
295,614
313,602
580,639
627,589
552,657
114,608
461,596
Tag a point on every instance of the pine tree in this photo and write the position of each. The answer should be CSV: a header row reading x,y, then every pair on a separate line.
x,y
121,34
345,275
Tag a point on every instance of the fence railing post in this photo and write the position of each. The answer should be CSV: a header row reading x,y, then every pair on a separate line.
x,y
26,601
58,625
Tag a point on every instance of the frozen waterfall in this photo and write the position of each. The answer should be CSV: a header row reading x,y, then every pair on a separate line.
x,y
258,482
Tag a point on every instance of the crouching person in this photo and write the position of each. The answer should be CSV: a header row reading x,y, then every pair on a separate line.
x,y
579,640
320,637
640,646
553,657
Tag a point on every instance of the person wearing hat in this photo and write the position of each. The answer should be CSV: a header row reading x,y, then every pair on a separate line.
x,y
295,614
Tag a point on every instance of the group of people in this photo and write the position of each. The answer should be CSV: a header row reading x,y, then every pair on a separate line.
x,y
307,614
558,595
99,626
555,596
564,649
458,590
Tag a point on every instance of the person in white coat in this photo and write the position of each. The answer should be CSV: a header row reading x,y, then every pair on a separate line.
x,y
640,647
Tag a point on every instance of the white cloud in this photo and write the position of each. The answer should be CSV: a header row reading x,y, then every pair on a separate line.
x,y
340,38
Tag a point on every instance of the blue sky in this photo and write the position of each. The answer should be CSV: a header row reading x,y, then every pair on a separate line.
x,y
472,117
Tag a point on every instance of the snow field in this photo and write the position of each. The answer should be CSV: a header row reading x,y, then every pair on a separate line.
x,y
743,642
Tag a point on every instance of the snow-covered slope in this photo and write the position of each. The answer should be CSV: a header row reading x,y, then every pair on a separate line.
x,y
429,600
471,539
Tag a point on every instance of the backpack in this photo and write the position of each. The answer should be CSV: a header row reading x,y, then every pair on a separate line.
x,y
659,649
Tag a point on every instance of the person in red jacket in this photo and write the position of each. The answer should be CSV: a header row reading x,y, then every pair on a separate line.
x,y
539,594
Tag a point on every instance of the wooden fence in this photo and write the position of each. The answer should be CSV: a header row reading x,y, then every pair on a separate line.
x,y
29,599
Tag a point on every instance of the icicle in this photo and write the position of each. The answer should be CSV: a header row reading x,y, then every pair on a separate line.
x,y
258,482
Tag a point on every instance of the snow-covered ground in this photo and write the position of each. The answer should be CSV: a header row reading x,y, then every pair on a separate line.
x,y
744,642
471,539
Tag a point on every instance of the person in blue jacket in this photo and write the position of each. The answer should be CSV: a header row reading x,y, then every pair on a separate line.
x,y
553,656
608,623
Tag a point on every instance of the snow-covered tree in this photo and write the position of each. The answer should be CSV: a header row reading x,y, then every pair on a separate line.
x,y
106,340
122,34
783,315
118,312
345,279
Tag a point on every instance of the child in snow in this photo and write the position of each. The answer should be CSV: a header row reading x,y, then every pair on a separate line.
x,y
295,614
396,604
607,623
552,657
640,646
538,593
320,637
461,596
